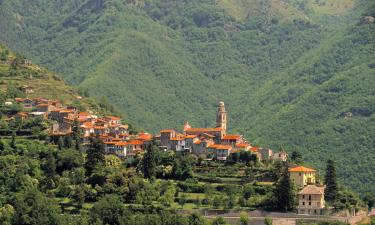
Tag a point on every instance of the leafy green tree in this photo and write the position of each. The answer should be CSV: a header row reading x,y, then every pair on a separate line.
x,y
95,155
219,221
196,219
296,157
284,193
68,141
149,162
109,210
268,221
330,180
182,200
369,198
244,218
33,208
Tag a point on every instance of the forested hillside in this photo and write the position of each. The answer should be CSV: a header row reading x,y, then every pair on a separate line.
x,y
296,73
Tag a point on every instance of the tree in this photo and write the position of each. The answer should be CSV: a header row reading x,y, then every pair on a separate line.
x,y
196,219
95,155
268,221
77,134
284,192
2,145
330,180
296,157
149,162
109,210
369,198
244,218
68,141
60,143
50,166
182,200
219,221
33,208
13,143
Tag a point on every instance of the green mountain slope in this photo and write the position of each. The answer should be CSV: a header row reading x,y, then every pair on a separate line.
x,y
287,70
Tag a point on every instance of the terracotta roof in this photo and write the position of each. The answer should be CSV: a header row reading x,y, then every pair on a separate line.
x,y
301,169
167,131
42,105
203,130
242,145
84,114
254,149
231,137
312,190
227,147
197,142
190,136
177,139
99,128
112,117
121,144
135,142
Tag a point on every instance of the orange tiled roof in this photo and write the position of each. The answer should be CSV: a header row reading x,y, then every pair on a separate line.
x,y
242,145
84,114
203,130
167,131
177,139
112,117
42,105
227,147
197,142
301,169
190,136
121,144
231,137
135,142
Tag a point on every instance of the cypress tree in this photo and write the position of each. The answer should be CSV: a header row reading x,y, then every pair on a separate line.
x,y
77,134
13,143
284,192
95,155
60,143
149,162
68,141
331,182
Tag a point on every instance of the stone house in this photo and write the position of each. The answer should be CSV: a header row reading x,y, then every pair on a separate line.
x,y
311,200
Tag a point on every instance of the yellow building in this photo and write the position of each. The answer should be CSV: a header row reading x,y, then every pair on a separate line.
x,y
311,200
302,176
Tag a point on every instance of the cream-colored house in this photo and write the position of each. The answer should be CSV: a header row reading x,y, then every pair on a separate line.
x,y
311,200
302,176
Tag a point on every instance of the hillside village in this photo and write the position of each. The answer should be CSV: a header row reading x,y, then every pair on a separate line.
x,y
211,143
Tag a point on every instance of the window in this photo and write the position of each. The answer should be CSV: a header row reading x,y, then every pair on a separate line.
x,y
309,197
300,174
309,203
303,203
303,196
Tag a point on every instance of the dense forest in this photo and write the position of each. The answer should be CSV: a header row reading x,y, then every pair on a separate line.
x,y
293,73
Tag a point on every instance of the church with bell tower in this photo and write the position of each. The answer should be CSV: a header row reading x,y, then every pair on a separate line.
x,y
221,117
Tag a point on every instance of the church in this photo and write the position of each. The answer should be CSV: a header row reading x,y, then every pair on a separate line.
x,y
213,142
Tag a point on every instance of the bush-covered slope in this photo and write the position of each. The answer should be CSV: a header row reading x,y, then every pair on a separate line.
x,y
289,71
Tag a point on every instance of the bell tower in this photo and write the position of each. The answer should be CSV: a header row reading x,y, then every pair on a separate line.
x,y
221,117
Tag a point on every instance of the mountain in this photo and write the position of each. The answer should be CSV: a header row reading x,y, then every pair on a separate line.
x,y
293,73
